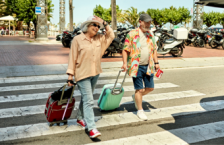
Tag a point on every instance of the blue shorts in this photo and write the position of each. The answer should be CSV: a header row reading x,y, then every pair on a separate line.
x,y
143,77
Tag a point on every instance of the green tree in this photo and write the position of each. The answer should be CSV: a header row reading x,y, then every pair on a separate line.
x,y
11,7
172,15
158,16
222,19
185,15
211,18
2,8
132,16
105,13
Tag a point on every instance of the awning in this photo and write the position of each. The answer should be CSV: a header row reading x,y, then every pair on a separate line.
x,y
212,3
8,18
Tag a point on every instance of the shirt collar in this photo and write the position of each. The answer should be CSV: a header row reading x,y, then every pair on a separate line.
x,y
147,32
83,37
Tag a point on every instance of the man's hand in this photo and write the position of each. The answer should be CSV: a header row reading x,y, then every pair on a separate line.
x,y
157,67
124,67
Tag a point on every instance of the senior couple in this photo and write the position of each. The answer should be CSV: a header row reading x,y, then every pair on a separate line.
x,y
139,59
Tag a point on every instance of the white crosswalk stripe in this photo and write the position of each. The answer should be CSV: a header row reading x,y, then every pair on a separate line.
x,y
50,78
40,129
31,110
14,98
180,136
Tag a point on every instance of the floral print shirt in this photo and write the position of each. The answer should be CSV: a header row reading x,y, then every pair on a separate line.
x,y
132,45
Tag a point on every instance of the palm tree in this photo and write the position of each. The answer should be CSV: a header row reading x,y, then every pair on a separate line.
x,y
2,8
132,16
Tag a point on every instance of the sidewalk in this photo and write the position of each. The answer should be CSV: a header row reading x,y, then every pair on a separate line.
x,y
55,69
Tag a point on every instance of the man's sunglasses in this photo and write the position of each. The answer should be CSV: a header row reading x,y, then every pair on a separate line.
x,y
95,25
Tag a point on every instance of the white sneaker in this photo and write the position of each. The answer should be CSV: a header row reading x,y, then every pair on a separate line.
x,y
142,115
133,97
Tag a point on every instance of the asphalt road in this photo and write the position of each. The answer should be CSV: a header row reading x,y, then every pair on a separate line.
x,y
209,81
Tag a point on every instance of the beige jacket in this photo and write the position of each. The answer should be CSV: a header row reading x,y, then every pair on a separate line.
x,y
85,55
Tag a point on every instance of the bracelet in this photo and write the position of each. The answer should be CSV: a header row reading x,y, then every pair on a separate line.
x,y
105,24
156,62
70,81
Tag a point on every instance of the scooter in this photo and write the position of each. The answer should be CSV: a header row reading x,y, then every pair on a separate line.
x,y
192,37
175,44
218,40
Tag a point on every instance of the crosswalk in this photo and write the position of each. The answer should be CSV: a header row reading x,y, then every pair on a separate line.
x,y
15,107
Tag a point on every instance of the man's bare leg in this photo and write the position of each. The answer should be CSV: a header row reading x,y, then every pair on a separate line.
x,y
139,94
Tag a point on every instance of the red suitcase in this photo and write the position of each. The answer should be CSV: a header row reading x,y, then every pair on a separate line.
x,y
59,111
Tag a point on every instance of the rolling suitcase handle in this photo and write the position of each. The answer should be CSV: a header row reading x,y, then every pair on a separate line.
x,y
65,100
119,90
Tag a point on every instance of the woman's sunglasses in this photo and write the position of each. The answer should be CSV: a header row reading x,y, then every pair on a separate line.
x,y
95,25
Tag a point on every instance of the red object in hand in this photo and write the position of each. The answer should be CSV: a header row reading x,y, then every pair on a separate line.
x,y
159,73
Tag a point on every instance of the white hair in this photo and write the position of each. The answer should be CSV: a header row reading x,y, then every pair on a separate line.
x,y
85,27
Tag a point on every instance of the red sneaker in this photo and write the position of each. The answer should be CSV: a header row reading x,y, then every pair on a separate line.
x,y
82,123
94,133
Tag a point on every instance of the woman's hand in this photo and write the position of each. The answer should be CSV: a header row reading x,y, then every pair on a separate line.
x,y
98,19
70,77
70,84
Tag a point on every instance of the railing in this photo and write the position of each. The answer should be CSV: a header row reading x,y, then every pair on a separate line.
x,y
26,33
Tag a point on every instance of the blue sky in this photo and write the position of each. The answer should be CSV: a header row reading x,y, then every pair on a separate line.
x,y
84,8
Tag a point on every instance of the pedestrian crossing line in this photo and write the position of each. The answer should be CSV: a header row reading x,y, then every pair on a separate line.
x,y
180,136
39,109
51,78
164,96
40,129
25,97
54,85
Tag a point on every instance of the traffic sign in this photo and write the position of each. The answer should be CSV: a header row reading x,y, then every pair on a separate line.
x,y
37,10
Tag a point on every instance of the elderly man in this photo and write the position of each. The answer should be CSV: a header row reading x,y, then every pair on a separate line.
x,y
140,60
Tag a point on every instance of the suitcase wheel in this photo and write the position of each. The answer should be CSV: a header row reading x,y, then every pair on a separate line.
x,y
51,124
65,122
58,124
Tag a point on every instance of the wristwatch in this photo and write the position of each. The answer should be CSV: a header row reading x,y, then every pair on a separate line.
x,y
156,62
105,24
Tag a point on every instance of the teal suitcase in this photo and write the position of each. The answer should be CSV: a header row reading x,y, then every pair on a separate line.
x,y
111,95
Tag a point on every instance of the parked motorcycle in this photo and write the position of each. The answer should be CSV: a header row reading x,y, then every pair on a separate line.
x,y
67,37
192,36
200,40
218,40
117,44
175,44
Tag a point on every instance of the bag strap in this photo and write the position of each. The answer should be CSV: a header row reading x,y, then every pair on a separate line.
x,y
64,91
120,90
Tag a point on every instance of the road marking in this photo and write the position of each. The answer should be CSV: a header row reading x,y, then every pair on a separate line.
x,y
200,67
40,129
76,92
51,78
39,109
180,136
54,85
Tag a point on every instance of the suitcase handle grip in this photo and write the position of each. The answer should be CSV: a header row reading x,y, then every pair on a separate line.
x,y
64,90
119,90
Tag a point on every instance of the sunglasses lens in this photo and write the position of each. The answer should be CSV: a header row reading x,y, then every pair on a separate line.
x,y
95,25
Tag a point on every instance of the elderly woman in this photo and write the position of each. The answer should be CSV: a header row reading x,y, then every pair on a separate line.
x,y
85,65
